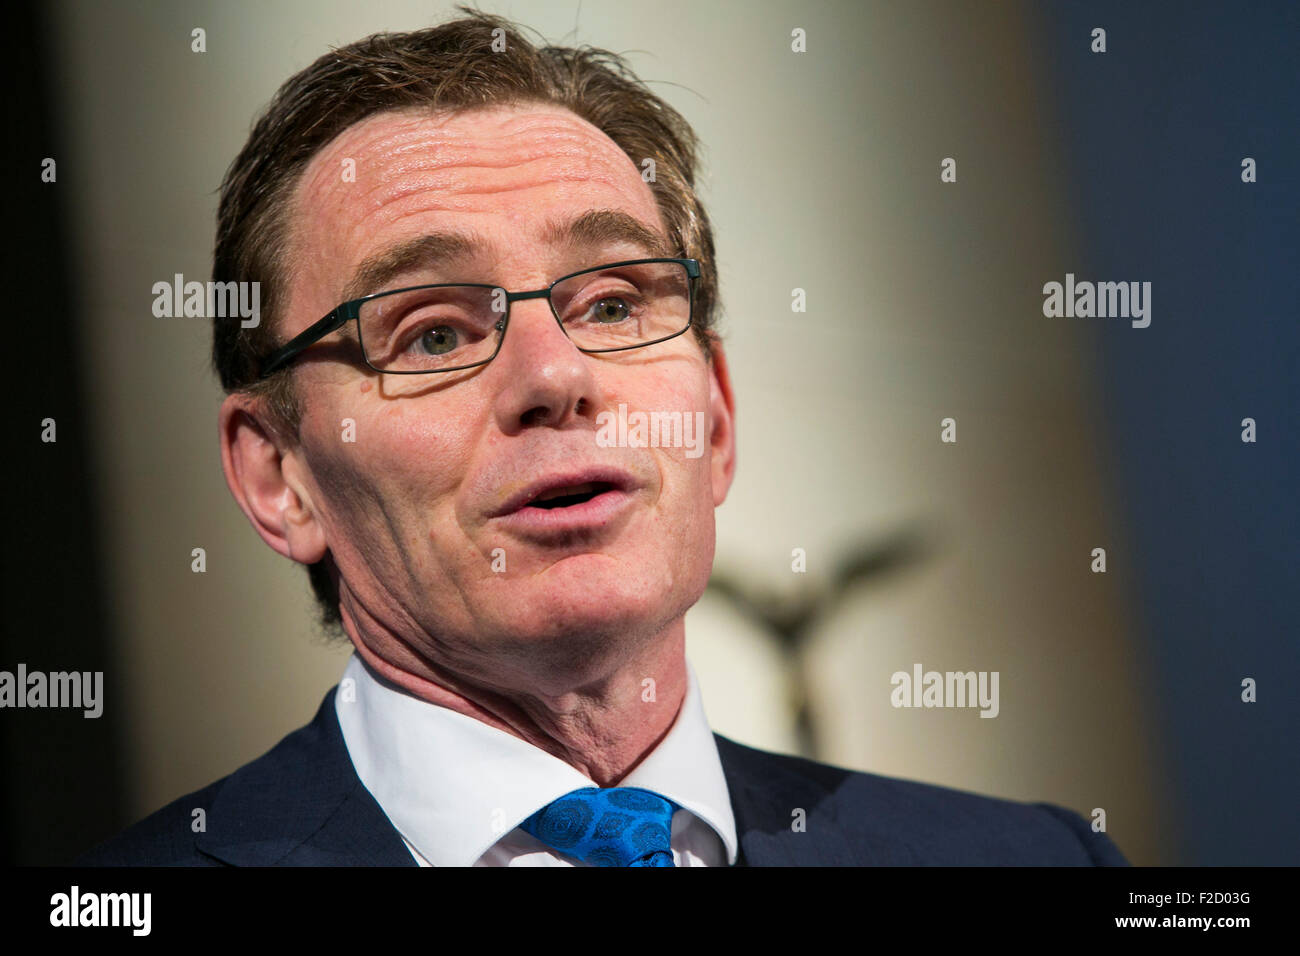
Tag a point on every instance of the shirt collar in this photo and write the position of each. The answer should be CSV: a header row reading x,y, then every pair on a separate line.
x,y
453,786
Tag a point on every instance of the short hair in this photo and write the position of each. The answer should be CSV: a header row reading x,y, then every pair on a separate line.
x,y
478,61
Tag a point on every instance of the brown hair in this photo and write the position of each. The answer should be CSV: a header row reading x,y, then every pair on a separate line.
x,y
454,68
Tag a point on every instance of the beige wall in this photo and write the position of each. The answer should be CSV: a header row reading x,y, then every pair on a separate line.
x,y
822,173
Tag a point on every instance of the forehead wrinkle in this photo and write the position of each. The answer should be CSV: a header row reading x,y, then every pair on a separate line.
x,y
418,196
434,158
422,167
419,146
565,153
431,186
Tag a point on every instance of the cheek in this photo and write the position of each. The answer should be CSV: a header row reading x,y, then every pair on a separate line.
x,y
377,457
684,458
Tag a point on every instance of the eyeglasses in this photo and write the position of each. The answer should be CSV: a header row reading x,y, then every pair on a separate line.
x,y
449,327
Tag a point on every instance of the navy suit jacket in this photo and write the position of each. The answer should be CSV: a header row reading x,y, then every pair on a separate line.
x,y
302,804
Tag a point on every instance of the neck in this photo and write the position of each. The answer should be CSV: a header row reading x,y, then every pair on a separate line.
x,y
602,722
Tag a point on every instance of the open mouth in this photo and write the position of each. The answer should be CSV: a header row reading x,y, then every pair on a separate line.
x,y
593,496
570,495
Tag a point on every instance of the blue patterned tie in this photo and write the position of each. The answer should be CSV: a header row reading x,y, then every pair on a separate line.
x,y
617,826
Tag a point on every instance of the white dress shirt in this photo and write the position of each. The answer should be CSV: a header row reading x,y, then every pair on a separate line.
x,y
456,789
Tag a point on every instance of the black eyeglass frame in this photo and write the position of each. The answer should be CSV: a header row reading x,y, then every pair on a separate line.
x,y
350,311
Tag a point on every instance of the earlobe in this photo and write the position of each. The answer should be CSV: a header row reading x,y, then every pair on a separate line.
x,y
261,475
722,414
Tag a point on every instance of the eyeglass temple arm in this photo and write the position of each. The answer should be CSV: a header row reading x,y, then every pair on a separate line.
x,y
317,330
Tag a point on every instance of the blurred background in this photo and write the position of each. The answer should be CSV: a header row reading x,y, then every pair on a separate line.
x,y
1118,690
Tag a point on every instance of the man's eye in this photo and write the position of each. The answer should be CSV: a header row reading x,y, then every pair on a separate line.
x,y
610,309
439,340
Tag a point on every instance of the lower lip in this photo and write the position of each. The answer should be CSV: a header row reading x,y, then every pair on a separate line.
x,y
592,515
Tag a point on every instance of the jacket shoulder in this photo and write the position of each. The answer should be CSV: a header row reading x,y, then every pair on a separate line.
x,y
905,822
164,838
172,836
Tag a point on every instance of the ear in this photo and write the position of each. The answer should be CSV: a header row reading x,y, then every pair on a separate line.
x,y
264,473
722,415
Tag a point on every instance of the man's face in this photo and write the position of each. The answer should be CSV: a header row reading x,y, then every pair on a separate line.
x,y
421,511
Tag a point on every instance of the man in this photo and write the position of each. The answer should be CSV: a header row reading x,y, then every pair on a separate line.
x,y
499,276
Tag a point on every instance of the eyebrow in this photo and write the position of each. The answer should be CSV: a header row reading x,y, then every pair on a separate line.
x,y
601,227
592,229
423,251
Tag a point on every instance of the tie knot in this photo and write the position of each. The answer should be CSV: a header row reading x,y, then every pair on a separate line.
x,y
616,826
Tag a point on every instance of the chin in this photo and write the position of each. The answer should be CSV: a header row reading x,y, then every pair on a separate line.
x,y
593,611
595,614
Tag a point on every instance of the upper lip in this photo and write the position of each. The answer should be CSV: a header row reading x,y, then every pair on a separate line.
x,y
620,480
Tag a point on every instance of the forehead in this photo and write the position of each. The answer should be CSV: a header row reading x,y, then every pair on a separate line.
x,y
504,174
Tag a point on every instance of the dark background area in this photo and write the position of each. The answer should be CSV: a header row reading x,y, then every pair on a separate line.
x,y
1156,129
54,602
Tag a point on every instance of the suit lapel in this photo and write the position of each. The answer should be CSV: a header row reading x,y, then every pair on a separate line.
x,y
302,804
766,791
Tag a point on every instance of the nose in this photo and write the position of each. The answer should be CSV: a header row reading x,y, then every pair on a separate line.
x,y
545,380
